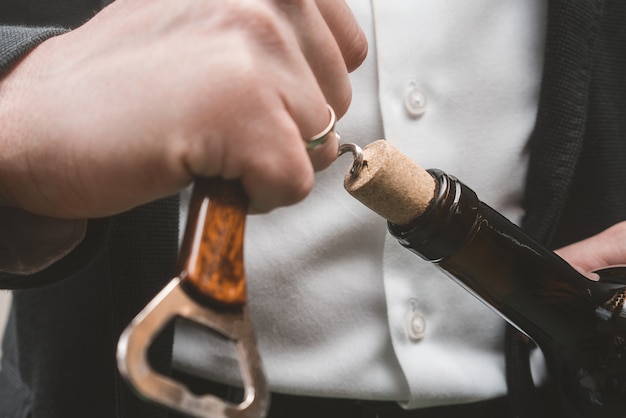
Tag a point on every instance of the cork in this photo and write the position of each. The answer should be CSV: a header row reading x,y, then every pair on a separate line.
x,y
391,184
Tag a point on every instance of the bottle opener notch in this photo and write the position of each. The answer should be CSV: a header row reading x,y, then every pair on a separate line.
x,y
210,291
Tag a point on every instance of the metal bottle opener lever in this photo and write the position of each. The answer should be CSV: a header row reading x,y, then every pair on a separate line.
x,y
211,291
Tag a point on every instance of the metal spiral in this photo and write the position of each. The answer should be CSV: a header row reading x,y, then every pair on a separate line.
x,y
357,153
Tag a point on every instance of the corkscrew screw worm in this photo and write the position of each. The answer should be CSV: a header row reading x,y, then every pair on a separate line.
x,y
357,154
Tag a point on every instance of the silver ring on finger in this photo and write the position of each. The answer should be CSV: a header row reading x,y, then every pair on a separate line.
x,y
322,137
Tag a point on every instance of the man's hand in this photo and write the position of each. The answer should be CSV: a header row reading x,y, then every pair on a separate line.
x,y
606,249
147,95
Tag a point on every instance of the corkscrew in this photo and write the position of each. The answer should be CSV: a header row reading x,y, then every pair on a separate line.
x,y
210,291
357,155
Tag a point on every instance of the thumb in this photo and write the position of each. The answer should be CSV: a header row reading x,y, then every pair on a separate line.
x,y
608,248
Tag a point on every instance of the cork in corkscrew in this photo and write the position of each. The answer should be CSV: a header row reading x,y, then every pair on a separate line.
x,y
391,184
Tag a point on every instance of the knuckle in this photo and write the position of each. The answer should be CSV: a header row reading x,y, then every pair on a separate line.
x,y
300,4
255,22
262,22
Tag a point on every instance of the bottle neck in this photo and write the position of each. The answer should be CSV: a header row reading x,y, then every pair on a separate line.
x,y
529,285
579,324
445,225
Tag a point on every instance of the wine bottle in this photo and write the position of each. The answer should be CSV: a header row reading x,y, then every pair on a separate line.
x,y
579,324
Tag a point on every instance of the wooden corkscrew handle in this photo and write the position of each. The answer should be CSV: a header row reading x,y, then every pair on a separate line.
x,y
211,292
211,255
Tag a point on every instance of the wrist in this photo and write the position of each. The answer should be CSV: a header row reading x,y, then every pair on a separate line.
x,y
21,87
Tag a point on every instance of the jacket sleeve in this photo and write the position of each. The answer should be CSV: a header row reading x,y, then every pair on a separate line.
x,y
36,250
16,41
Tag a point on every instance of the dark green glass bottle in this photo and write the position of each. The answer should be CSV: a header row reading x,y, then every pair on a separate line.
x,y
579,324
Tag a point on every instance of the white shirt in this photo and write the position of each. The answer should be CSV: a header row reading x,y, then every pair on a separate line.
x,y
339,307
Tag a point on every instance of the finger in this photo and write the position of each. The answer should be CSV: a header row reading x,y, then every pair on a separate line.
x,y
261,145
322,53
275,105
306,106
279,176
346,30
323,147
608,248
323,46
322,156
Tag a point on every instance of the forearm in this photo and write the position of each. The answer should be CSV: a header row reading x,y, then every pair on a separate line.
x,y
144,97
16,42
30,243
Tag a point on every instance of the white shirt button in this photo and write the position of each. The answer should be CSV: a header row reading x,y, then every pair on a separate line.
x,y
415,100
415,323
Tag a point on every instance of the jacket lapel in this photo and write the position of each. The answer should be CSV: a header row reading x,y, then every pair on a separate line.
x,y
556,142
